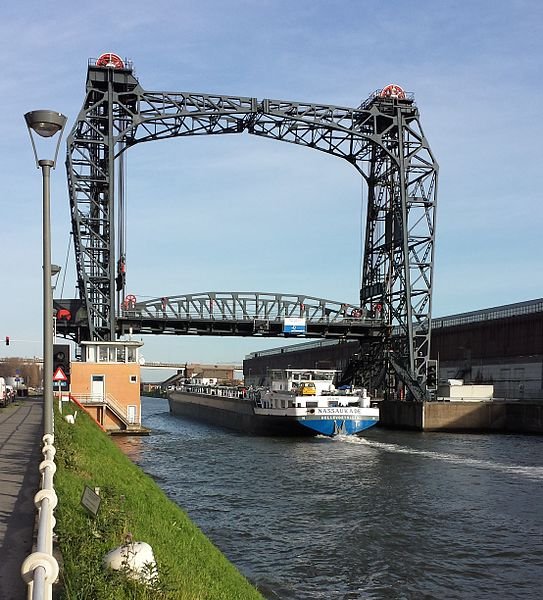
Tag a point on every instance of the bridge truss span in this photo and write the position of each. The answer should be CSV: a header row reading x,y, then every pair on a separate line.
x,y
382,139
247,314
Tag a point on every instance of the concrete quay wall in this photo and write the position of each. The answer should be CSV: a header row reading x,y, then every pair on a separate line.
x,y
504,417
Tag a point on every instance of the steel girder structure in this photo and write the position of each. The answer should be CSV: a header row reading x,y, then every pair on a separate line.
x,y
397,271
382,139
247,313
93,145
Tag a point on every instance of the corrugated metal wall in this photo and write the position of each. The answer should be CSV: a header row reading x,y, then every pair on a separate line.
x,y
507,352
500,338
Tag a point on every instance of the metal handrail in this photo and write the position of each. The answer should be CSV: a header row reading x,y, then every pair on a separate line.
x,y
248,306
40,569
106,399
121,410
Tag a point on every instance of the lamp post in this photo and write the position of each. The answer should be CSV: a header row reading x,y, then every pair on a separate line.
x,y
46,124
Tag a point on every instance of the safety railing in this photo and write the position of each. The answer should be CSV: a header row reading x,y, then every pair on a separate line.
x,y
246,306
121,411
110,402
40,569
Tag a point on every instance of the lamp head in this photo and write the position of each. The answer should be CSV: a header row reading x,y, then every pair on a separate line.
x,y
45,122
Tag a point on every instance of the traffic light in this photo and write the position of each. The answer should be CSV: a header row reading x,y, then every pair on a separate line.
x,y
61,360
7,340
431,375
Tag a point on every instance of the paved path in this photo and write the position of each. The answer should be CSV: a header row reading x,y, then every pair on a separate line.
x,y
21,431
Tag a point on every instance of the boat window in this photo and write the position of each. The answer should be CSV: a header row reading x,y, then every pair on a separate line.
x,y
311,404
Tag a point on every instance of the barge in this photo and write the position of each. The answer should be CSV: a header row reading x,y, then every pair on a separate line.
x,y
296,402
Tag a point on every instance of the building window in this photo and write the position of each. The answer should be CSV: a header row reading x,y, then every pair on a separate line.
x,y
133,379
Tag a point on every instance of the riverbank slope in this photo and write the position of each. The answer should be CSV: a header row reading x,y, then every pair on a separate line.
x,y
190,567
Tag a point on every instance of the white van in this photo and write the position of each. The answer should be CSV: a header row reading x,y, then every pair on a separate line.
x,y
4,400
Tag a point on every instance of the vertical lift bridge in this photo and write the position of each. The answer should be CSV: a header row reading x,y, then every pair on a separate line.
x,y
383,140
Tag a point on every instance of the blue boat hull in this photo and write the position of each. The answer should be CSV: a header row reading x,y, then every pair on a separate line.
x,y
331,427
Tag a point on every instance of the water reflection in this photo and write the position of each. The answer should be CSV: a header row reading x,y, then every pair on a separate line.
x,y
389,515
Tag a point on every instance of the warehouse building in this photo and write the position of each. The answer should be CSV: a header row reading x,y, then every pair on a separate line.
x,y
502,346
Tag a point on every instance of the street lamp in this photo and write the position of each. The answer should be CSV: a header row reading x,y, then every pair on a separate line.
x,y
46,124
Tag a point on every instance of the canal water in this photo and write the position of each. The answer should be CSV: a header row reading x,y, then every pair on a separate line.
x,y
401,515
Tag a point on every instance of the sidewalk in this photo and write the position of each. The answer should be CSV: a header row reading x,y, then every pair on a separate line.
x,y
21,431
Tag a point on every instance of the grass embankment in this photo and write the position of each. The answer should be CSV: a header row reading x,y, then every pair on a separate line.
x,y
189,566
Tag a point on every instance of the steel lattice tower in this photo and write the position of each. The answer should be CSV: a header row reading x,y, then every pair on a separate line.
x,y
382,139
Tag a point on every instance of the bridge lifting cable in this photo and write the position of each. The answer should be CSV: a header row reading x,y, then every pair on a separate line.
x,y
120,280
68,250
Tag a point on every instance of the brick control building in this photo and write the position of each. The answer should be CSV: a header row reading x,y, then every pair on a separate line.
x,y
107,383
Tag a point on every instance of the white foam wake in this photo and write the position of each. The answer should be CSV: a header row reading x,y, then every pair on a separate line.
x,y
531,472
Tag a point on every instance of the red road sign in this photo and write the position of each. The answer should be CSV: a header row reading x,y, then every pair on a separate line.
x,y
59,375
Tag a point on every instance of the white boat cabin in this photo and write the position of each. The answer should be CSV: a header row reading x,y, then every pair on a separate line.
x,y
307,389
288,380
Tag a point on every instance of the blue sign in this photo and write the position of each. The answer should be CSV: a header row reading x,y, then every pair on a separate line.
x,y
294,326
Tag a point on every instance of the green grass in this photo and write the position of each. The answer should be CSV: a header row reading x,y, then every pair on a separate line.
x,y
189,566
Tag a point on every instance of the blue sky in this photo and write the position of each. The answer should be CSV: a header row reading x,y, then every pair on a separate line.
x,y
211,214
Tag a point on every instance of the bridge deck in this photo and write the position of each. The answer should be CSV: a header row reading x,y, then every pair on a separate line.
x,y
235,314
349,328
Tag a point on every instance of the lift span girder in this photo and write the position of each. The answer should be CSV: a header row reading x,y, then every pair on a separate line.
x,y
247,314
231,313
382,139
243,328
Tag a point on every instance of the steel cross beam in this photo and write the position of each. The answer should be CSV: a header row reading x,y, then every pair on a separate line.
x,y
382,139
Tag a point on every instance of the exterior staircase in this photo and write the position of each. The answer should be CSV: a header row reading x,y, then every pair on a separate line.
x,y
128,424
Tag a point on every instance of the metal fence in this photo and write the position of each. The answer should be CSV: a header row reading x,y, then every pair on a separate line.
x,y
40,569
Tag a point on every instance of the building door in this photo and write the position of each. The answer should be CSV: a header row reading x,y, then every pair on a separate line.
x,y
132,413
98,387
